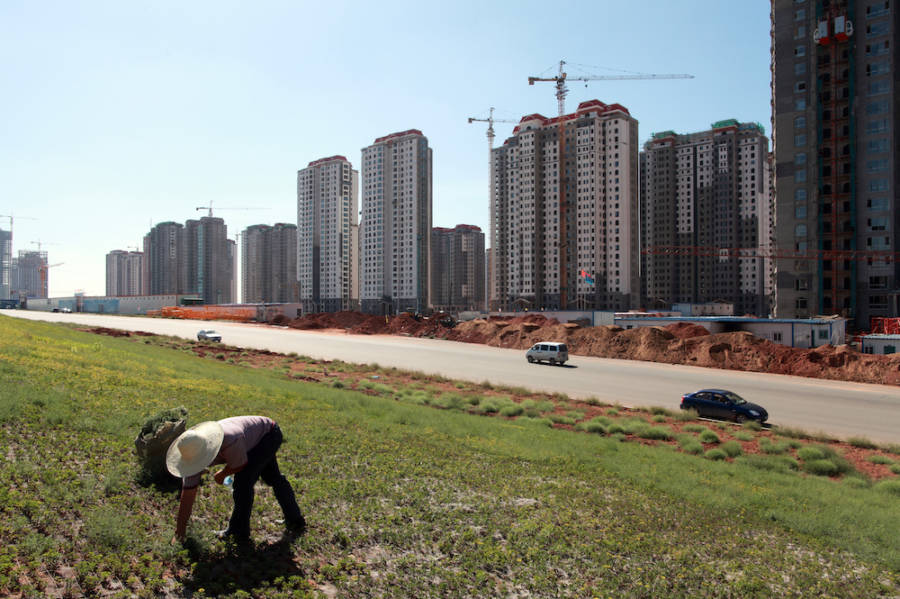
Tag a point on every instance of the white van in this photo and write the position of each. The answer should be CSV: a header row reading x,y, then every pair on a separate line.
x,y
549,351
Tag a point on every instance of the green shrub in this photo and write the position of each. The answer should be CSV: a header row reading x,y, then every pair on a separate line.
x,y
576,414
694,428
793,433
742,436
593,401
511,411
774,464
489,406
809,453
731,448
685,415
821,467
893,448
658,433
692,447
620,437
631,426
856,482
595,426
889,486
658,418
752,425
474,400
895,468
560,419
707,436
612,412
766,445
715,454
659,411
861,442
880,459
338,384
615,429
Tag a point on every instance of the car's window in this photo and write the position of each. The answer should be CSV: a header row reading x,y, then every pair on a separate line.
x,y
562,347
536,347
735,398
543,348
702,396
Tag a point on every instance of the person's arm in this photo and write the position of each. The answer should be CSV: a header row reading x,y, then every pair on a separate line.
x,y
184,511
219,476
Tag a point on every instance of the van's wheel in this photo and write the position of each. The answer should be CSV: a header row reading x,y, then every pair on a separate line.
x,y
740,418
553,361
530,359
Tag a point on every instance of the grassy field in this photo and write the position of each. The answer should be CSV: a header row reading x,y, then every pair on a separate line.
x,y
402,499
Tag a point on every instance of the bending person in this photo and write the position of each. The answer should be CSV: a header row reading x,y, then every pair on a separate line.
x,y
247,446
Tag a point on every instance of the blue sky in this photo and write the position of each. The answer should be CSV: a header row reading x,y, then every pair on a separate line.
x,y
120,115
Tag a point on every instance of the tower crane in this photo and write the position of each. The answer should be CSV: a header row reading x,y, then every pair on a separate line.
x,y
210,208
562,77
490,130
42,271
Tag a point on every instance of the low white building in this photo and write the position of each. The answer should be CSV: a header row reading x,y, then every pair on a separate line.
x,y
879,344
793,332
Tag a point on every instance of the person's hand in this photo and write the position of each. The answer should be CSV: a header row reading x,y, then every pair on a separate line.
x,y
219,476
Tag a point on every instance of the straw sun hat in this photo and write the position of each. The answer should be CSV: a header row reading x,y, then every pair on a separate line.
x,y
194,449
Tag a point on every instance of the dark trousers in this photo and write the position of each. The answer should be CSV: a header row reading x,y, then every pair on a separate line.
x,y
261,463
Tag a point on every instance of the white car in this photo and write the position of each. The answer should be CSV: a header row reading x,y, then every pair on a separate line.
x,y
548,351
208,335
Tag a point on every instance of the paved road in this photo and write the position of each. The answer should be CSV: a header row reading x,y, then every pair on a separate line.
x,y
838,408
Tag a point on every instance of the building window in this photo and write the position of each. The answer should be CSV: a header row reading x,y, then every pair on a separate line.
x,y
800,175
877,88
800,122
800,68
800,303
800,195
800,230
877,203
800,211
800,51
876,126
800,140
800,86
878,185
800,158
776,337
876,166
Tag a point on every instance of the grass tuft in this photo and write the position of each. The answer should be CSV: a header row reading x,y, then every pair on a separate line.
x,y
715,454
707,436
888,486
861,442
731,448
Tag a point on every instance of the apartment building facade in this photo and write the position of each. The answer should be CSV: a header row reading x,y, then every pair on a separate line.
x,y
457,268
707,218
209,260
165,260
124,273
564,213
395,231
5,263
29,275
269,264
834,119
327,219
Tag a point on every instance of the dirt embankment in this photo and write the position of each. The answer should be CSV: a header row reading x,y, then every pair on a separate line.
x,y
680,343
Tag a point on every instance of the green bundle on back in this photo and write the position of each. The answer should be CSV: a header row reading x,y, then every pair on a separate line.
x,y
154,439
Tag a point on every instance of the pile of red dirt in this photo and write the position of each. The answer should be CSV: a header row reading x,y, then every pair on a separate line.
x,y
679,343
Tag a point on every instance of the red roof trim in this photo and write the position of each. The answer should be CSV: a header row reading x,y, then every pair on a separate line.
x,y
588,106
400,134
324,160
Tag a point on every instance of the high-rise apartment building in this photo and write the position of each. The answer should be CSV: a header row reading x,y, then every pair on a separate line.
x,y
165,260
209,260
564,216
124,273
457,268
29,275
834,118
396,224
327,208
269,264
5,263
706,218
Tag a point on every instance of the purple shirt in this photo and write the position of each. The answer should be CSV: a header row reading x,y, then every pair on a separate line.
x,y
242,433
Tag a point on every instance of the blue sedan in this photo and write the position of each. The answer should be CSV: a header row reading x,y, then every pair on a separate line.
x,y
726,405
